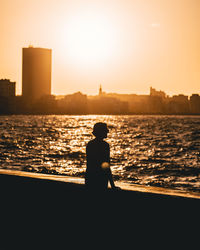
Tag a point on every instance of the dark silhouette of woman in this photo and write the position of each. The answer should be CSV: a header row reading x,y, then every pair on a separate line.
x,y
98,171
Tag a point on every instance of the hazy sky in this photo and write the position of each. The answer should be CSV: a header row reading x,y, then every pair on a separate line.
x,y
126,45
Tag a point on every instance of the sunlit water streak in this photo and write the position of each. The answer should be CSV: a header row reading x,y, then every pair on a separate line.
x,y
151,150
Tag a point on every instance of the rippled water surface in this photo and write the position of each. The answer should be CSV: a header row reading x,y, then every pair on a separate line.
x,y
151,150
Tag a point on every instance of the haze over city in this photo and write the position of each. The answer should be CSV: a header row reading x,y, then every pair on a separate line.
x,y
127,46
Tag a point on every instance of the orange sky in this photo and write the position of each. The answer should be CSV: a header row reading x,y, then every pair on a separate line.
x,y
126,45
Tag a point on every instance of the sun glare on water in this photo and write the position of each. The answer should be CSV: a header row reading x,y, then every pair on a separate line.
x,y
89,39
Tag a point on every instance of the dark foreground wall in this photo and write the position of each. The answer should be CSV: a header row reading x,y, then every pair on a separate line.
x,y
27,191
47,212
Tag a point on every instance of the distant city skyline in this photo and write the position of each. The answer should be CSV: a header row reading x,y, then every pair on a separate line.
x,y
127,46
37,99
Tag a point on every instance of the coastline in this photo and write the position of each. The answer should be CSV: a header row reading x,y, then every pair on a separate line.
x,y
103,114
11,180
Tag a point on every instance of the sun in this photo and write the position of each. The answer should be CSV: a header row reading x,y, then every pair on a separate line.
x,y
89,39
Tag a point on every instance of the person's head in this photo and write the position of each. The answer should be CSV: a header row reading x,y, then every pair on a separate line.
x,y
100,130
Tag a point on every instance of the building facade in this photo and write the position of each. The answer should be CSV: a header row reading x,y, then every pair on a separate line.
x,y
7,88
195,104
36,72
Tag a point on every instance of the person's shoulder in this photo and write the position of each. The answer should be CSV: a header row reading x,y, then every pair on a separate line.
x,y
90,143
95,142
106,144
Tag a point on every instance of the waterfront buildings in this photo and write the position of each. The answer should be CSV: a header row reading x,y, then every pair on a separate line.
x,y
7,88
37,99
7,96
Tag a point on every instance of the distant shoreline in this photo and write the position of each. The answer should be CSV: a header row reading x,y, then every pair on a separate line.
x,y
131,114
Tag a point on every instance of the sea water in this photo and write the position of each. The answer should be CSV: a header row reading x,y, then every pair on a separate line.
x,y
160,151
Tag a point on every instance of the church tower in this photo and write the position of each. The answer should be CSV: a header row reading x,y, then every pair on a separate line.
x,y
100,90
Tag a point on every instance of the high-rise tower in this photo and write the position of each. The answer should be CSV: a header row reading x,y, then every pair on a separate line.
x,y
36,72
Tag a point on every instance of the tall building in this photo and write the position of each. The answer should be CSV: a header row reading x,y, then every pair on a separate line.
x,y
36,72
7,88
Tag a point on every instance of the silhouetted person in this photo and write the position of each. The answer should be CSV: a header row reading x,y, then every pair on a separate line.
x,y
98,171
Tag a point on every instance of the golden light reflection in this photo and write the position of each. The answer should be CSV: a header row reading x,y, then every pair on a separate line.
x,y
105,165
